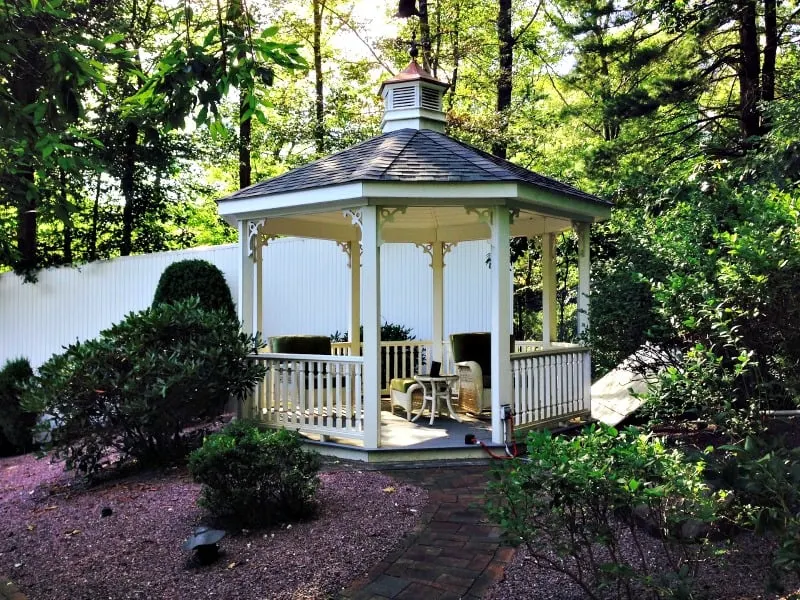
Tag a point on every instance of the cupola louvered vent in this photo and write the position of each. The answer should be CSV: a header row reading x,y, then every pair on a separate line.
x,y
431,99
403,97
413,100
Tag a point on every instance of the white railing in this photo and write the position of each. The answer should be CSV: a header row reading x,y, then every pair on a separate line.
x,y
340,348
312,393
399,360
550,385
407,358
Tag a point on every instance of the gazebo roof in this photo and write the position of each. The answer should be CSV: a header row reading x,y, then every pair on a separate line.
x,y
409,156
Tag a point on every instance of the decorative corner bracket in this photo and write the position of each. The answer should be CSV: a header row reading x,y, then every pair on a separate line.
x,y
388,214
484,214
257,238
354,215
346,248
253,231
428,249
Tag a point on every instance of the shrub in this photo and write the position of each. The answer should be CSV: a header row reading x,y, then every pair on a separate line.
x,y
616,512
187,278
715,382
135,388
764,476
255,476
15,423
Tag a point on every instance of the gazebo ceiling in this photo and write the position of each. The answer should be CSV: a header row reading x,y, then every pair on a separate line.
x,y
413,224
430,186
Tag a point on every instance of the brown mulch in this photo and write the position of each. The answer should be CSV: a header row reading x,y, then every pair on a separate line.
x,y
55,544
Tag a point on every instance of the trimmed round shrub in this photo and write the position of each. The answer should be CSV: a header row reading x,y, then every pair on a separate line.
x,y
15,423
256,477
133,391
186,278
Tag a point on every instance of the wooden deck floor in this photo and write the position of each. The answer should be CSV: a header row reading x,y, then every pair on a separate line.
x,y
445,432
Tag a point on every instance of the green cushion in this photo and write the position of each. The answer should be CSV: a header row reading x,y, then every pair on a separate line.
x,y
300,344
401,385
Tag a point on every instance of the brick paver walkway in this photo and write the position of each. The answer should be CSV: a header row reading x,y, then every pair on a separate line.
x,y
454,553
9,591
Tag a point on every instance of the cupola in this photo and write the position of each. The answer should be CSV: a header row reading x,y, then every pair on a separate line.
x,y
413,100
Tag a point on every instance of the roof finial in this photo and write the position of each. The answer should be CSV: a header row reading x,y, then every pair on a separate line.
x,y
413,49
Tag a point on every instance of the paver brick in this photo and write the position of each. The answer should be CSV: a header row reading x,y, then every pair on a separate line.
x,y
453,552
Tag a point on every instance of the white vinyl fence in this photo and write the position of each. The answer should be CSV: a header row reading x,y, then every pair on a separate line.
x,y
307,291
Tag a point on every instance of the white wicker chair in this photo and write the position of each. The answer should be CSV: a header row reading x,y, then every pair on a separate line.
x,y
472,396
405,399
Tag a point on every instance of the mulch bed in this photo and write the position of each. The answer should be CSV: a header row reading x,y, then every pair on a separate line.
x,y
55,544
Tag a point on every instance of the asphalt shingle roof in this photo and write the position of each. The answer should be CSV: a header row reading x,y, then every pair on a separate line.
x,y
408,155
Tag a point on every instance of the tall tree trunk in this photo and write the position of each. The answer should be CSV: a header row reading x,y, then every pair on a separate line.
x,y
27,204
504,79
770,50
425,34
436,54
749,70
128,185
67,240
245,142
26,224
319,103
95,218
451,93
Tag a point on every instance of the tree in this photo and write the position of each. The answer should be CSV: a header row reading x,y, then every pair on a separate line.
x,y
738,43
196,76
51,56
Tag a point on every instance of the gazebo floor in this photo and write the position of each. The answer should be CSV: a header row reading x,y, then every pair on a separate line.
x,y
402,440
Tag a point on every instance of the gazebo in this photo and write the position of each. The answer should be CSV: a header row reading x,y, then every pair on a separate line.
x,y
413,184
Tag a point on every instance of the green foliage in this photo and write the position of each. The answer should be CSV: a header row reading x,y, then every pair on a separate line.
x,y
764,476
616,512
709,382
229,54
15,423
131,392
187,278
254,476
390,332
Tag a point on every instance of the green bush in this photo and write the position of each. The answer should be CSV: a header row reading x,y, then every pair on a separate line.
x,y
15,423
616,512
134,389
707,381
187,278
764,476
254,476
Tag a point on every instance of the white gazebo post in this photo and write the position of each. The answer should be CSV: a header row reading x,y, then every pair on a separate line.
x,y
501,317
354,333
437,264
584,272
371,286
549,320
247,233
